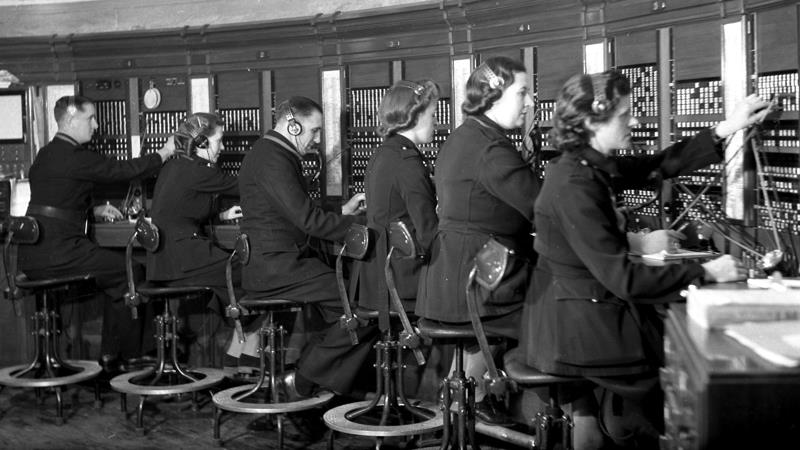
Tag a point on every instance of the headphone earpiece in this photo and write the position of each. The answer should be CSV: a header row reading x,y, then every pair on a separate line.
x,y
293,127
600,103
200,141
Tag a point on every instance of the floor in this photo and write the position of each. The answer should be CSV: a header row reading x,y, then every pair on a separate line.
x,y
168,424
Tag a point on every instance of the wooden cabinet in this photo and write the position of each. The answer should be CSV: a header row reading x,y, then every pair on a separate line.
x,y
720,395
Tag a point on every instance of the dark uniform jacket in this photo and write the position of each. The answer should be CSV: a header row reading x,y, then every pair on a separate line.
x,y
281,219
398,187
184,201
590,310
62,176
485,190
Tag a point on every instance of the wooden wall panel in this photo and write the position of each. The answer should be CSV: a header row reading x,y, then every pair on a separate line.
x,y
174,91
238,89
291,81
697,50
776,39
636,48
513,53
437,69
118,89
558,62
364,75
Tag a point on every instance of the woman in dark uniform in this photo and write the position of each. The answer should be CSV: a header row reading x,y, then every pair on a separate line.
x,y
399,187
590,310
485,190
184,202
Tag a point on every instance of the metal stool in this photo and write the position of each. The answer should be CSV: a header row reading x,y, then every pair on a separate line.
x,y
48,369
262,397
553,426
389,413
490,265
167,376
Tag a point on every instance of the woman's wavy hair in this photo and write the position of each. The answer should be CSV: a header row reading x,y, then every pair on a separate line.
x,y
403,103
487,82
195,130
594,97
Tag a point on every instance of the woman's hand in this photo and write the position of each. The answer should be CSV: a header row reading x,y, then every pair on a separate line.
x,y
747,112
724,269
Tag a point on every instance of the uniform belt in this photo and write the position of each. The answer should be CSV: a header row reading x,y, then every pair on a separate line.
x,y
70,215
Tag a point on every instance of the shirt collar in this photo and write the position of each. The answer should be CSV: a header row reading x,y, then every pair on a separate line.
x,y
68,138
487,122
285,143
402,140
591,157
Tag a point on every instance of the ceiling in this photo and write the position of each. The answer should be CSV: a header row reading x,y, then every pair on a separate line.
x,y
25,18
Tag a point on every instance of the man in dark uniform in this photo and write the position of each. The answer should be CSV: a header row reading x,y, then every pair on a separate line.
x,y
284,224
61,178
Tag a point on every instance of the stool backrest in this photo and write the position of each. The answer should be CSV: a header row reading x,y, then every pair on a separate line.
x,y
356,245
241,250
402,241
146,234
16,230
356,242
491,264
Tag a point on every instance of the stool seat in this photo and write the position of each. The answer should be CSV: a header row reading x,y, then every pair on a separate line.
x,y
151,289
372,314
528,376
251,301
24,282
445,330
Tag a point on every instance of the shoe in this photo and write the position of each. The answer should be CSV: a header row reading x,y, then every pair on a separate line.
x,y
289,383
491,412
112,365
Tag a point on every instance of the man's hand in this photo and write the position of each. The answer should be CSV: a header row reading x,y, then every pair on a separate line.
x,y
232,213
168,149
356,205
107,213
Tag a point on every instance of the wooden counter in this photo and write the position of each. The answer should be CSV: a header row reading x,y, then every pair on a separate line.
x,y
721,395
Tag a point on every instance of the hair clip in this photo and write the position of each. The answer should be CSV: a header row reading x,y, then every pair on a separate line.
x,y
417,88
494,81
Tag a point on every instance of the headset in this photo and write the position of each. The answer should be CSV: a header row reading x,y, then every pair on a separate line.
x,y
293,127
199,140
600,103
